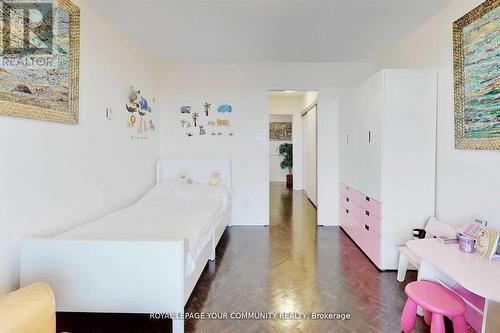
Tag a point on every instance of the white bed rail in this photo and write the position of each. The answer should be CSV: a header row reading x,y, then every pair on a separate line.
x,y
109,276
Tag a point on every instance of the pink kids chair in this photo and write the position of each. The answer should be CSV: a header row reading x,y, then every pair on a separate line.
x,y
437,302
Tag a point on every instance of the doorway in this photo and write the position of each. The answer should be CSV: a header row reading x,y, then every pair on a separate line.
x,y
293,144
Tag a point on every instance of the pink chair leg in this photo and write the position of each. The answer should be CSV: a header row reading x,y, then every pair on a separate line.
x,y
459,324
437,324
427,317
409,315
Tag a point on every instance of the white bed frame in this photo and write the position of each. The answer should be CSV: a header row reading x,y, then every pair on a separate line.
x,y
124,276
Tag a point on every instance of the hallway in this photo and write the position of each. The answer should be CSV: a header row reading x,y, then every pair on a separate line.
x,y
292,266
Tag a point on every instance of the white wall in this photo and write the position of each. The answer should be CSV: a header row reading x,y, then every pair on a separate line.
x,y
276,173
246,86
55,176
308,99
468,182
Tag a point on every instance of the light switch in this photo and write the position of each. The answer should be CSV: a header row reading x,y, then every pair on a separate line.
x,y
108,114
258,137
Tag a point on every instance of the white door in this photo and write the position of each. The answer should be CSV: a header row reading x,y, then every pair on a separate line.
x,y
309,145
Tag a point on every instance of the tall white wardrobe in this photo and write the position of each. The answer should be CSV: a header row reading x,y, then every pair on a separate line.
x,y
387,160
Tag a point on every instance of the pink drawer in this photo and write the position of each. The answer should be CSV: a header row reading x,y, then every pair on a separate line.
x,y
372,222
355,209
352,194
346,217
343,217
346,221
343,201
373,206
350,223
370,244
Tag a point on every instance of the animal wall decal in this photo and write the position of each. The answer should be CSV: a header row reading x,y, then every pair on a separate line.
x,y
131,121
222,123
192,119
186,109
225,108
143,127
138,106
203,131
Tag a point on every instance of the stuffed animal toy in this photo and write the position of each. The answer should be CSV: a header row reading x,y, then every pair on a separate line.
x,y
214,179
183,176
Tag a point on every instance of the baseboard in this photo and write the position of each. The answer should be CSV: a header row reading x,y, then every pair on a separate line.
x,y
249,221
329,222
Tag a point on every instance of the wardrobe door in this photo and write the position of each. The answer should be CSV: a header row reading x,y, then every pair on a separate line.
x,y
369,123
347,149
310,155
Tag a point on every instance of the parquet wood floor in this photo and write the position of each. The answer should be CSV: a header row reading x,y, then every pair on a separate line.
x,y
294,266
290,266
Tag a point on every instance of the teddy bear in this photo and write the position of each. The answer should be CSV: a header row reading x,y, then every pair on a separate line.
x,y
183,176
214,179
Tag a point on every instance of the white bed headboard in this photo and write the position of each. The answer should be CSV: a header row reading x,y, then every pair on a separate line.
x,y
199,170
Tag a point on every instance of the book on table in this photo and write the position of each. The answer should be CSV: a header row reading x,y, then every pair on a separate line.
x,y
487,243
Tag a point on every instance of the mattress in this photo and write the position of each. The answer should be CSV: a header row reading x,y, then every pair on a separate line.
x,y
171,210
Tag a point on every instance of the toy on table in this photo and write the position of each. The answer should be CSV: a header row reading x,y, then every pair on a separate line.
x,y
466,244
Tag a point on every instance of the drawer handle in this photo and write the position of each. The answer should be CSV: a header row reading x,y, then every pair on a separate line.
x,y
367,198
347,199
367,213
347,211
367,227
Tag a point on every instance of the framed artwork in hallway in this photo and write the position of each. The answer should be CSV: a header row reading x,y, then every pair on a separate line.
x,y
280,131
477,82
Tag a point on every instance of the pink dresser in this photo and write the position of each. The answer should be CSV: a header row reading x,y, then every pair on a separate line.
x,y
360,217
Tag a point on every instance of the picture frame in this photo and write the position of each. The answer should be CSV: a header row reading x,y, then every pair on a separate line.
x,y
476,79
280,131
57,102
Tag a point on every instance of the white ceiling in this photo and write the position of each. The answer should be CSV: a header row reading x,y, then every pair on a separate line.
x,y
267,30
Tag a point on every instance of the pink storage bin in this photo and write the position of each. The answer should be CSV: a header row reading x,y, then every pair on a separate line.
x,y
474,318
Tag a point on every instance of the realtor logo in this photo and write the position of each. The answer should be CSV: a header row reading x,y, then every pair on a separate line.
x,y
27,27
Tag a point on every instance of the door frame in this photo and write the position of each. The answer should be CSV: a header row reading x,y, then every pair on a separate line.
x,y
315,103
